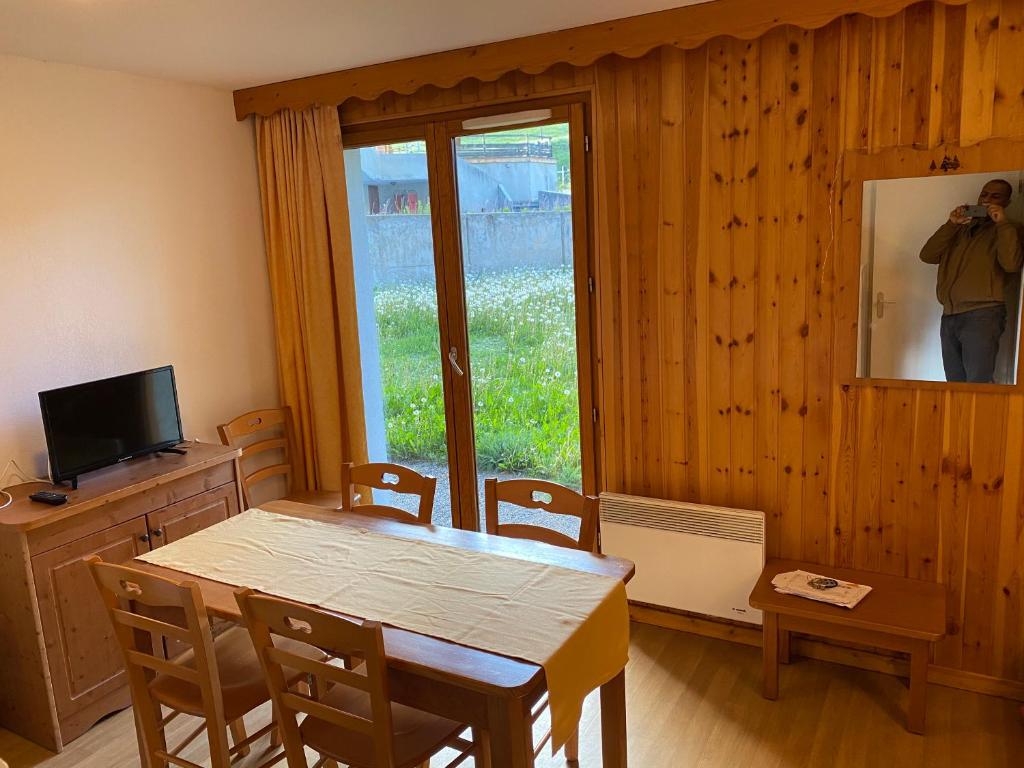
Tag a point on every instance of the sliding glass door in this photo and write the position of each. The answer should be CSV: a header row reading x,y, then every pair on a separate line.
x,y
473,275
397,307
515,204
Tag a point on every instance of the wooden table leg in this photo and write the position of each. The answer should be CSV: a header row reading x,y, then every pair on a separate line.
x,y
511,737
918,687
770,659
482,754
613,722
784,638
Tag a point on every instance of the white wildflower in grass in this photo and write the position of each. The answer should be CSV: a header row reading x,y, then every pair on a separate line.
x,y
522,333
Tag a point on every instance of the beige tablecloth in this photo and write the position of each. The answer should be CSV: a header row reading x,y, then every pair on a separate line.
x,y
574,624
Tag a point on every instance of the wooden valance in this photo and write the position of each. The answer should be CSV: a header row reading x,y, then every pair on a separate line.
x,y
687,27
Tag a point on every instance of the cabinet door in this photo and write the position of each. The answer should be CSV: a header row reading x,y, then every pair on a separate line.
x,y
82,651
179,520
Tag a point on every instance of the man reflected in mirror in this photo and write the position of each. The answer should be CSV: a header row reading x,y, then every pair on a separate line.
x,y
975,255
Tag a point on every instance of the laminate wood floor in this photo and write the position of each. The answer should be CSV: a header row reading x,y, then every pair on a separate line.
x,y
696,702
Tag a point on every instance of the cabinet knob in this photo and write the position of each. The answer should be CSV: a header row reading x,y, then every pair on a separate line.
x,y
158,532
144,537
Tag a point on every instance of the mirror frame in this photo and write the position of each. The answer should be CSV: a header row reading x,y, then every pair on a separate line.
x,y
859,166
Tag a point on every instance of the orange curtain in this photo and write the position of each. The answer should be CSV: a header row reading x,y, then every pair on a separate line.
x,y
309,257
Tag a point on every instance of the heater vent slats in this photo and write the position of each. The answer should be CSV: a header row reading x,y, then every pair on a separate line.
x,y
683,517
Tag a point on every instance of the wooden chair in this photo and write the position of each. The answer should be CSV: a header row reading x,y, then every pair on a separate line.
x,y
219,681
354,721
277,422
558,500
550,497
377,476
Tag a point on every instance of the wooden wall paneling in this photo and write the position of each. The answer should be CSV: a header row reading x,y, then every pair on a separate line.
x,y
897,415
1007,648
954,487
651,305
858,40
979,70
505,86
627,267
822,215
982,535
866,526
955,29
846,483
697,223
937,82
1008,109
1014,521
470,91
719,275
844,478
743,294
770,180
886,82
922,495
673,189
916,124
793,300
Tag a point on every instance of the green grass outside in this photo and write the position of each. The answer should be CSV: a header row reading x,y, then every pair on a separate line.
x,y
523,358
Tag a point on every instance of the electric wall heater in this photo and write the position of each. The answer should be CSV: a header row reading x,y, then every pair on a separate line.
x,y
688,557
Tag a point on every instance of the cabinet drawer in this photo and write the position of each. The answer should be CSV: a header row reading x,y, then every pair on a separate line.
x,y
117,512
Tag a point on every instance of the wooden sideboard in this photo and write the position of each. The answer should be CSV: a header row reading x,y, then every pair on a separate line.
x,y
60,666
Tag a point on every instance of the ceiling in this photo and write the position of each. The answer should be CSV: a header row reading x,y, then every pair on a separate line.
x,y
238,43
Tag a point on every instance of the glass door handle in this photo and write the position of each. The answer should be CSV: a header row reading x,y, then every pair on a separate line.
x,y
453,358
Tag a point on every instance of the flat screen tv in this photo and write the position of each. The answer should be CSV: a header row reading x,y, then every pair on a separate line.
x,y
99,423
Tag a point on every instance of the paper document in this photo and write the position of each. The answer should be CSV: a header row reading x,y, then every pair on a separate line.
x,y
823,588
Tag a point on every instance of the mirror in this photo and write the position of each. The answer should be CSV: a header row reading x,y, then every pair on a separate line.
x,y
940,272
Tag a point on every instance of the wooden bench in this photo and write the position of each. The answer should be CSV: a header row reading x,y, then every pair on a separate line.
x,y
898,614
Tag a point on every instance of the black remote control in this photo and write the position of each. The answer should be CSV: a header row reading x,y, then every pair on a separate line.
x,y
49,497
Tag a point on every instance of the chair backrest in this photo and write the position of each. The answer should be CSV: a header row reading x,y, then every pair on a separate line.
x,y
267,616
124,591
276,450
545,495
389,477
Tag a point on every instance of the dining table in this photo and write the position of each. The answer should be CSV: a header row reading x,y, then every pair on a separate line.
x,y
492,693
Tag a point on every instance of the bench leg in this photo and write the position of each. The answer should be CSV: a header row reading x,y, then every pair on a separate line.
x,y
918,687
784,635
770,660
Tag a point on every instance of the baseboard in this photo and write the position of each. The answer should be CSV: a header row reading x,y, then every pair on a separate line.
x,y
747,634
870,659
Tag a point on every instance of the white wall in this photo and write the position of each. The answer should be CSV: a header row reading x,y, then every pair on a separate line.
x,y
130,237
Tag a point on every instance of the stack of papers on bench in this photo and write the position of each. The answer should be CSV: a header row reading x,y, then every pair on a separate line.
x,y
823,588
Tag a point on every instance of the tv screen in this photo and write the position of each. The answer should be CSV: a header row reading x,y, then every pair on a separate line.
x,y
100,423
